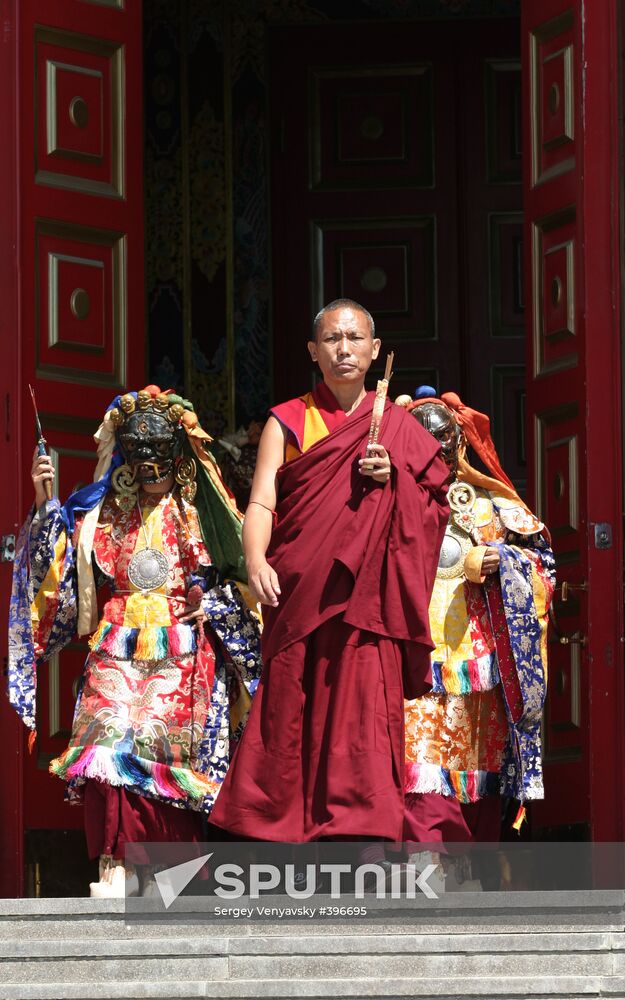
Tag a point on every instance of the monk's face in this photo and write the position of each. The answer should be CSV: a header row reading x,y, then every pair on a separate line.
x,y
344,348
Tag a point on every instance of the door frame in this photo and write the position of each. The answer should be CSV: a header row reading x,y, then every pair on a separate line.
x,y
11,838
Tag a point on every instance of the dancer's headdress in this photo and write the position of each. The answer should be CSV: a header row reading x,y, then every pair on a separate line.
x,y
476,429
219,518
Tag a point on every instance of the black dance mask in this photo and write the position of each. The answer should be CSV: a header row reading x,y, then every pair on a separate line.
x,y
151,445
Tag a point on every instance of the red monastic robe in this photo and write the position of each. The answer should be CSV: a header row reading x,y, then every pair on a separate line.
x,y
323,752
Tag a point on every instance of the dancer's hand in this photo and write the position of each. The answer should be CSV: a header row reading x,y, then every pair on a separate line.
x,y
193,615
490,562
379,458
263,582
42,472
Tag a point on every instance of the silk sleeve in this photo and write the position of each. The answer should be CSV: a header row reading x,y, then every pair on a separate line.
x,y
43,606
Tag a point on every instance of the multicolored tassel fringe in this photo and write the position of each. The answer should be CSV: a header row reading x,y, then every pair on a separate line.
x,y
481,674
466,786
171,784
154,642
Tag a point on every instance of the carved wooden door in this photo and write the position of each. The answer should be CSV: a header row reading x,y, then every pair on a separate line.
x,y
572,195
396,180
72,315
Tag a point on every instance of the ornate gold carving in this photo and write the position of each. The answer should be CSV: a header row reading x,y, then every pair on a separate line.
x,y
125,486
249,26
185,476
161,403
144,399
175,412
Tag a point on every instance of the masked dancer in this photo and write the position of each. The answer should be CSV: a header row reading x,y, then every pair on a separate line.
x,y
476,735
174,658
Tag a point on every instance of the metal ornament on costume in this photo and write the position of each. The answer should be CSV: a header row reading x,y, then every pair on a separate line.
x,y
148,569
150,435
438,419
457,542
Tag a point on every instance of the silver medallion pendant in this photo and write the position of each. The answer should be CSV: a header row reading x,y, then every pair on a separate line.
x,y
454,550
148,569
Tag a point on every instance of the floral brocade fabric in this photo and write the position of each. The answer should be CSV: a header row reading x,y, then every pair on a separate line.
x,y
478,731
154,709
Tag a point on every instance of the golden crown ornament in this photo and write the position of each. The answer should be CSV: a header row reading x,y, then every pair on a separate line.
x,y
185,476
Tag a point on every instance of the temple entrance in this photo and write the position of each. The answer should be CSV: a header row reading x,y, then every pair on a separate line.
x,y
431,163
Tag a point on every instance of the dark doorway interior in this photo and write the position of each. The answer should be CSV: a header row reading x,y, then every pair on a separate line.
x,y
300,149
396,180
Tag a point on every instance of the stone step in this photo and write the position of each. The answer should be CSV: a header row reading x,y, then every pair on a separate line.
x,y
527,987
468,912
575,942
232,968
564,946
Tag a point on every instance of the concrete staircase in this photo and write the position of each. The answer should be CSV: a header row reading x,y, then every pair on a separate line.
x,y
566,945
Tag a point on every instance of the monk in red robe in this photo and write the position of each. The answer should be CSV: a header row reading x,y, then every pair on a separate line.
x,y
343,555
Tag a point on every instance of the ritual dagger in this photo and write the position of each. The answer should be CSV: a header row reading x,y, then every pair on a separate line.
x,y
378,408
41,442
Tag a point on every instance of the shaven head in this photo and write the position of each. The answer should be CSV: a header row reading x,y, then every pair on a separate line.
x,y
341,304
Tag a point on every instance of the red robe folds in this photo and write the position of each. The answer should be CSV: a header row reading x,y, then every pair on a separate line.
x,y
323,752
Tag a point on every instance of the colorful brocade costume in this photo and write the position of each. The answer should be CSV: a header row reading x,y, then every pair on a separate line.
x,y
478,731
476,734
161,704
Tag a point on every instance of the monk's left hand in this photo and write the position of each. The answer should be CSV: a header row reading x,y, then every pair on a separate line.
x,y
379,458
490,562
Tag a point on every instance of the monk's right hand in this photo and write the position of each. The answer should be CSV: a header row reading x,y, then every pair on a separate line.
x,y
264,584
42,471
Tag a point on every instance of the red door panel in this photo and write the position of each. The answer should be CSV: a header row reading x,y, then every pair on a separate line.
x,y
72,319
574,446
